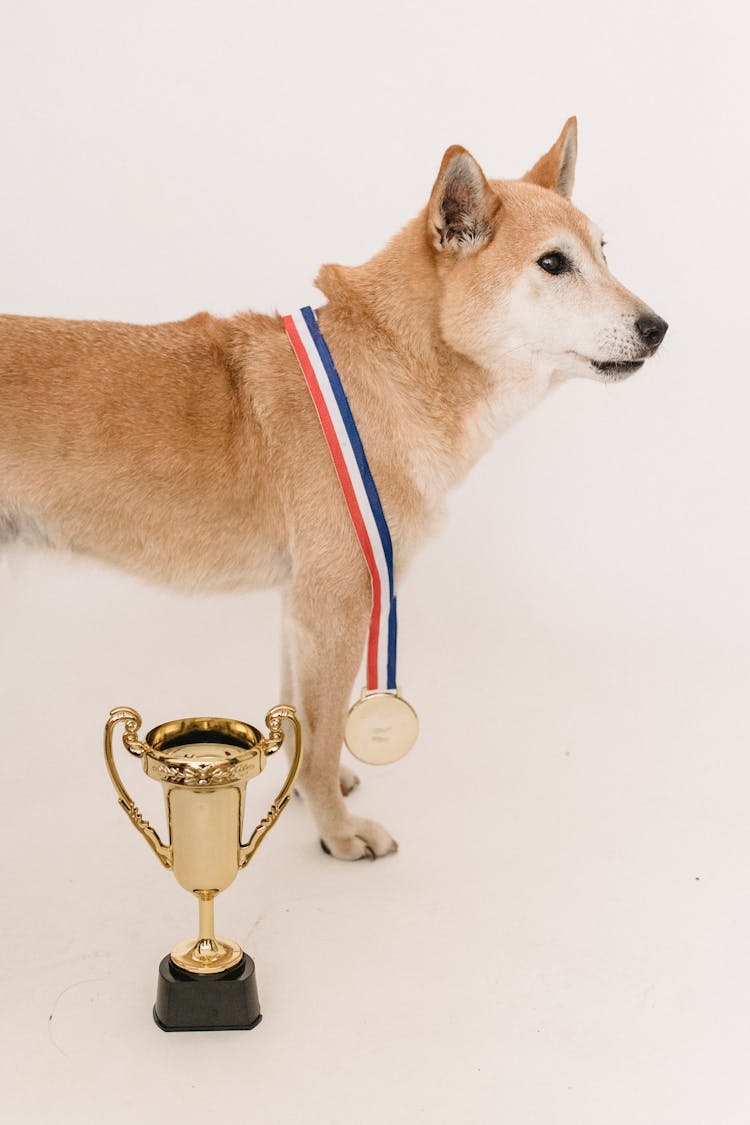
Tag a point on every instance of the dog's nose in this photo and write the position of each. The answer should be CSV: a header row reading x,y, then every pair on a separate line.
x,y
652,329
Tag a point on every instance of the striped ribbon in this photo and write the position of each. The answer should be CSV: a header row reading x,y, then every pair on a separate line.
x,y
358,487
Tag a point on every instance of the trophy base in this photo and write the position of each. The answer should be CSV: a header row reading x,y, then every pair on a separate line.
x,y
225,1001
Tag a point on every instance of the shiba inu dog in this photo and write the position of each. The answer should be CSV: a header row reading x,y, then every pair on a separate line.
x,y
190,453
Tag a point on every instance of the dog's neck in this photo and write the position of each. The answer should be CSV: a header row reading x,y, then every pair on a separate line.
x,y
435,410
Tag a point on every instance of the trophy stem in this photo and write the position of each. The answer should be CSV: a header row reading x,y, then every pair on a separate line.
x,y
206,953
206,918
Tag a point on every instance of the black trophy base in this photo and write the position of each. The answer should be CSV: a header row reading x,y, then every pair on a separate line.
x,y
225,1001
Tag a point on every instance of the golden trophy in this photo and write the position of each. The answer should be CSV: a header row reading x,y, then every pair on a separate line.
x,y
206,983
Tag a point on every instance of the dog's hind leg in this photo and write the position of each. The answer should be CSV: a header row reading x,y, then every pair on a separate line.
x,y
325,630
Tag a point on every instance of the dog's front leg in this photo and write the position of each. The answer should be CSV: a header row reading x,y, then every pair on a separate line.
x,y
348,780
324,636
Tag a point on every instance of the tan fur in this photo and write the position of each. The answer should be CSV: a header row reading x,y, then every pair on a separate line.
x,y
190,453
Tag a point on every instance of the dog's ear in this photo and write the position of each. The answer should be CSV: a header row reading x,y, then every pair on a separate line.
x,y
557,168
463,207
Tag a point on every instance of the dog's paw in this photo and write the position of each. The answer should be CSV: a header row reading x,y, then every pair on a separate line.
x,y
364,839
348,780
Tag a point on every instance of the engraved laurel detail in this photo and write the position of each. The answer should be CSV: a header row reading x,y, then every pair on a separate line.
x,y
187,774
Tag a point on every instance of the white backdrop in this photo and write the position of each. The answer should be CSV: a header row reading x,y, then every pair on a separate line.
x,y
161,158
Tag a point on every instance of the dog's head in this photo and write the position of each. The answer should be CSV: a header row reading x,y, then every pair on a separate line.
x,y
524,273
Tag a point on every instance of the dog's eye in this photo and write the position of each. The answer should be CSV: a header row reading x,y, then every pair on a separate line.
x,y
554,262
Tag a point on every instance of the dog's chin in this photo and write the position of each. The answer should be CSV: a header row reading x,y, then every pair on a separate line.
x,y
567,365
615,370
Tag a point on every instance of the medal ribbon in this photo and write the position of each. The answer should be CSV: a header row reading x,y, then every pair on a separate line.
x,y
359,490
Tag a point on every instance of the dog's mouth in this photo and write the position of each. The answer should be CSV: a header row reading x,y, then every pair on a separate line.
x,y
617,369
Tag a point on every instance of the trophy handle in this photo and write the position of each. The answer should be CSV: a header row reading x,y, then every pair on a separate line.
x,y
269,746
134,746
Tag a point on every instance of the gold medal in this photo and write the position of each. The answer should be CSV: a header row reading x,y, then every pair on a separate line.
x,y
381,727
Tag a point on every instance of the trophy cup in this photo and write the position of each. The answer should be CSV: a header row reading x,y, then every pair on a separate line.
x,y
206,983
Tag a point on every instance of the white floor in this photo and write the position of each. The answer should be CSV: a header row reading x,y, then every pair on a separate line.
x,y
561,939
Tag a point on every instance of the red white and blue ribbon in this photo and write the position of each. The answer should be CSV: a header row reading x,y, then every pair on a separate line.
x,y
359,490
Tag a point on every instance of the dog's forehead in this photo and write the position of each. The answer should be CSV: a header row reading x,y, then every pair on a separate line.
x,y
536,212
